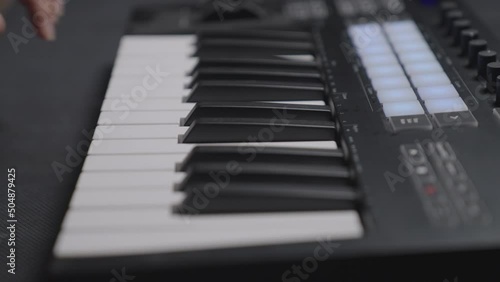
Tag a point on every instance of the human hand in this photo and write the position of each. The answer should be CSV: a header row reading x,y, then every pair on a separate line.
x,y
44,15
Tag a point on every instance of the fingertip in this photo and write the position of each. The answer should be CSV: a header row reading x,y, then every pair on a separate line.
x,y
48,32
2,24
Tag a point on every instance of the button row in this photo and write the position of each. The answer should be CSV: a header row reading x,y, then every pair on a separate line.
x,y
403,70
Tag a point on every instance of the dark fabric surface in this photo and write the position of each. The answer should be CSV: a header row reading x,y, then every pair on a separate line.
x,y
50,94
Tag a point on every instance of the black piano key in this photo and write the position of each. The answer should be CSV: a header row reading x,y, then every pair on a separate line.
x,y
246,172
283,75
279,45
256,110
257,34
195,204
220,156
220,130
262,62
221,51
230,90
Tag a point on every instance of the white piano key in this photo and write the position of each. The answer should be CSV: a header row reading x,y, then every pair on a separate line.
x,y
435,106
131,70
385,71
148,39
181,62
127,179
115,198
165,162
437,92
170,146
417,57
148,104
155,47
423,68
312,102
218,232
162,91
396,95
148,117
406,108
138,131
385,83
430,79
162,217
148,81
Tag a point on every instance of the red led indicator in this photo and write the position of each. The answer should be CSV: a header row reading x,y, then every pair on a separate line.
x,y
430,190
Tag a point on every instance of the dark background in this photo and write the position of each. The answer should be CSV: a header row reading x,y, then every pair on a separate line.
x,y
49,94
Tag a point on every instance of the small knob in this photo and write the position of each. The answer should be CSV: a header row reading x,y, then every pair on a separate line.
x,y
492,74
452,16
497,102
483,59
476,46
467,36
456,30
446,6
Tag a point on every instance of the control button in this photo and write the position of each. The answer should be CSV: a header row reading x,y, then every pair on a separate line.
x,y
484,58
445,151
400,26
406,37
437,92
414,154
467,36
497,101
450,17
411,122
496,113
377,60
379,49
385,71
406,47
456,29
476,46
447,105
423,68
422,171
492,73
397,109
417,57
396,95
385,83
431,79
456,119
445,7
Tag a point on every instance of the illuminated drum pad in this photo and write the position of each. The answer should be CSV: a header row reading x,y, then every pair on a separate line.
x,y
405,74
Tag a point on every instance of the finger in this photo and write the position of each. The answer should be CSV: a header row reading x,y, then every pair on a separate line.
x,y
43,19
59,7
2,24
